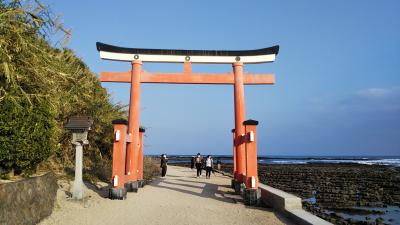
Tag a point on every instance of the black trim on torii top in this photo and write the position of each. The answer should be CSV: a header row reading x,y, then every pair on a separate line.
x,y
111,48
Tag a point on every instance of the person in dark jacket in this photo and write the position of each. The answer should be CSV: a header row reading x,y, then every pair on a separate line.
x,y
192,162
164,161
198,161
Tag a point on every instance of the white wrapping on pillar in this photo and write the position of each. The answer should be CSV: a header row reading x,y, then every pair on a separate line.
x,y
251,136
117,135
115,181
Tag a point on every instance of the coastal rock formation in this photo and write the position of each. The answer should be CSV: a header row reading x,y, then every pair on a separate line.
x,y
336,186
330,188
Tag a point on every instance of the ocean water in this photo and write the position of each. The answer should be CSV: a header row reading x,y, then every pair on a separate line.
x,y
389,214
393,161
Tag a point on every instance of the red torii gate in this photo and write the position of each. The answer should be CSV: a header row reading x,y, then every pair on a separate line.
x,y
128,141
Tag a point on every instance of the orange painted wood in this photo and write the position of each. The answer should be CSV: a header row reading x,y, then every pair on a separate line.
x,y
251,156
133,122
234,155
240,116
119,153
187,78
140,157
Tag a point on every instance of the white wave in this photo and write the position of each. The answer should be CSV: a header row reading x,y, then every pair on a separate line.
x,y
288,162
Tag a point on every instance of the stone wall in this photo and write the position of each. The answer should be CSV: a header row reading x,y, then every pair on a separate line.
x,y
27,201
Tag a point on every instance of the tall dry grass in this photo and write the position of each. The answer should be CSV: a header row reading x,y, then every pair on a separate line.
x,y
151,168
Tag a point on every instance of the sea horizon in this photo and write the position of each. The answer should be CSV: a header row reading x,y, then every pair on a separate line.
x,y
393,161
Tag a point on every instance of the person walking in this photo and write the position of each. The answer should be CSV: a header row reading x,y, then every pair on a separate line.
x,y
198,161
164,161
192,162
209,166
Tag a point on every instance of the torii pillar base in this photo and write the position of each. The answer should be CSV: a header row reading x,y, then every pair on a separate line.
x,y
141,183
117,193
251,196
237,186
132,186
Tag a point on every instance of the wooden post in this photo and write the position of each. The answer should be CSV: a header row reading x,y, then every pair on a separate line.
x,y
251,180
240,116
133,126
140,158
118,190
234,154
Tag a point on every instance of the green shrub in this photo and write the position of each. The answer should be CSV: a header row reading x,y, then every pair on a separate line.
x,y
26,134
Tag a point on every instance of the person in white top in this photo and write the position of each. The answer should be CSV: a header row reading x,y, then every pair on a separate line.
x,y
209,166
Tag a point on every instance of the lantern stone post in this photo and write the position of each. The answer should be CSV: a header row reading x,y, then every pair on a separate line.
x,y
79,126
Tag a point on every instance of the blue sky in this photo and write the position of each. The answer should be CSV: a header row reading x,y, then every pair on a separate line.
x,y
338,71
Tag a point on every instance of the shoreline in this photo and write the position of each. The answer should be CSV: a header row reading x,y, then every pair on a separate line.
x,y
392,161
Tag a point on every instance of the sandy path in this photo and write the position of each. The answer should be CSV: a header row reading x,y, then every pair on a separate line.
x,y
179,198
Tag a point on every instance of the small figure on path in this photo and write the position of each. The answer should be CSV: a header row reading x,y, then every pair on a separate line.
x,y
163,165
192,162
218,164
209,166
198,164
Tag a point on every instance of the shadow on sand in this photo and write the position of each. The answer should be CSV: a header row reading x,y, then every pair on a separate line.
x,y
102,192
209,190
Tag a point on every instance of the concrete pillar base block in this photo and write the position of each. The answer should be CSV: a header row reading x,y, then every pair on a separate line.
x,y
251,196
233,183
237,186
140,183
132,186
117,193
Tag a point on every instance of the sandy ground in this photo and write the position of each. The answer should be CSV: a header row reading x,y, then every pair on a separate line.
x,y
178,198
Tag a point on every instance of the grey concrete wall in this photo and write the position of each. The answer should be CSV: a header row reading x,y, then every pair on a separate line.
x,y
289,205
27,201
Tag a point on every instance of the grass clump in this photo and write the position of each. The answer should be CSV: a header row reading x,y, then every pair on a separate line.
x,y
151,168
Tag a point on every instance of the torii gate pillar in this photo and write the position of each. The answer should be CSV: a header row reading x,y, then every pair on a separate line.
x,y
240,116
251,180
140,158
132,148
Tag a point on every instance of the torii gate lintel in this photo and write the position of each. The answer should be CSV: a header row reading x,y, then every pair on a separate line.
x,y
187,77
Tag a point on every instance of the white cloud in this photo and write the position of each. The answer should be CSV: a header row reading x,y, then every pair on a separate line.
x,y
376,92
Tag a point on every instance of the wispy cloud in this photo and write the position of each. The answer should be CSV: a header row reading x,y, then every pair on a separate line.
x,y
363,122
373,100
376,92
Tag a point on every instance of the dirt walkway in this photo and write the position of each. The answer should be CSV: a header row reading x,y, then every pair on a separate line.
x,y
179,198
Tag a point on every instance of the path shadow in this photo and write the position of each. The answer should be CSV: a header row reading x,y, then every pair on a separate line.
x,y
102,192
209,190
181,184
173,176
229,191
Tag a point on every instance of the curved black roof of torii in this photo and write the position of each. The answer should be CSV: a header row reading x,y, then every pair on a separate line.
x,y
112,48
112,52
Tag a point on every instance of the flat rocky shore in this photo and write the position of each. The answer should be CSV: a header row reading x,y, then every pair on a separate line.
x,y
329,190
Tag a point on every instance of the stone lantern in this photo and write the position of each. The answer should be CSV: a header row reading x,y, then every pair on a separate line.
x,y
79,126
